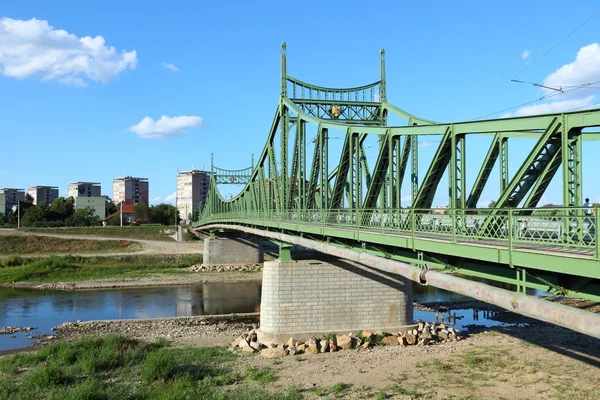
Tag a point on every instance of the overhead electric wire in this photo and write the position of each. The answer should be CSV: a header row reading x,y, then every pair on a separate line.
x,y
556,45
534,101
529,65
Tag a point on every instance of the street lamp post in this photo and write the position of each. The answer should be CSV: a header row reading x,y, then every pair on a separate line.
x,y
122,201
18,214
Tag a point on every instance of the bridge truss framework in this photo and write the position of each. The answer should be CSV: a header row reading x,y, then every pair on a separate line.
x,y
349,204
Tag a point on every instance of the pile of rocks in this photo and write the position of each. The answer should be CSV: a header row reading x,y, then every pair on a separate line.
x,y
9,330
221,268
423,334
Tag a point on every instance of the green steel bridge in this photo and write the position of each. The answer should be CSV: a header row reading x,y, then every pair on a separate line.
x,y
335,198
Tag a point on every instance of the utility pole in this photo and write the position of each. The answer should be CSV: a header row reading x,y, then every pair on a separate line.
x,y
18,214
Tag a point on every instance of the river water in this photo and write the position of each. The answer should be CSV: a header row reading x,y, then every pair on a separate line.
x,y
46,309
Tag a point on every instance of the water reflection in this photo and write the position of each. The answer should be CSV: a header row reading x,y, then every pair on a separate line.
x,y
44,310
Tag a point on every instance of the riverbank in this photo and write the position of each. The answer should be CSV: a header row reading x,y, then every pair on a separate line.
x,y
62,271
174,277
538,361
12,245
161,232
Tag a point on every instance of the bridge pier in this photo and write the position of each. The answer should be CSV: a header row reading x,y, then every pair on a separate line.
x,y
233,248
309,297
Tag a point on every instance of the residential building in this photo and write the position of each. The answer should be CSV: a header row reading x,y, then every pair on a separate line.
x,y
192,190
43,193
96,203
130,190
84,189
9,198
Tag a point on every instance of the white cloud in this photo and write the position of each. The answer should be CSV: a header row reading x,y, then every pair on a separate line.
x,y
171,198
34,48
425,144
155,200
554,107
525,54
585,69
165,127
170,66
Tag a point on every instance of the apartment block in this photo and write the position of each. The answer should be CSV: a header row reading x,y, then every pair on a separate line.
x,y
9,198
84,189
43,193
96,203
192,190
130,190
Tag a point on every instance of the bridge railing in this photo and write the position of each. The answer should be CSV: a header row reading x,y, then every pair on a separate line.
x,y
571,229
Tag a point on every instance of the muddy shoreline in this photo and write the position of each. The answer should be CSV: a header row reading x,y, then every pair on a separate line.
x,y
145,281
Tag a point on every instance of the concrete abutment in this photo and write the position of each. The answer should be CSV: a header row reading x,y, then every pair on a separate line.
x,y
309,297
233,249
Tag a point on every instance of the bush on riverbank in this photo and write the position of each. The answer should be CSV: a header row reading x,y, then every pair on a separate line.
x,y
110,367
31,244
76,268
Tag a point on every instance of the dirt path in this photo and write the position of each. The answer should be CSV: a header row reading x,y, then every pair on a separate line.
x,y
148,247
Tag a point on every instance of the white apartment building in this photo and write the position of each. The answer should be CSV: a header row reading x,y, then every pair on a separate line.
x,y
130,190
84,189
43,193
192,190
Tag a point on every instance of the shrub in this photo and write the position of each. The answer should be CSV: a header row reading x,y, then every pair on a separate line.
x,y
47,376
158,366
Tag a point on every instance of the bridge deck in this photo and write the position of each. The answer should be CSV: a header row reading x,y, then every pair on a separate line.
x,y
540,246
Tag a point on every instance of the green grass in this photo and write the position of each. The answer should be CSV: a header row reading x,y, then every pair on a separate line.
x,y
339,387
72,268
31,244
262,375
116,367
130,232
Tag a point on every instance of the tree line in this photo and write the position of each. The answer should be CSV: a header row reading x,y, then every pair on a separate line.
x,y
62,212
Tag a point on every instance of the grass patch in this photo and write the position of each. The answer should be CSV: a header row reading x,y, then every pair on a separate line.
x,y
116,367
73,268
130,232
339,387
262,375
31,244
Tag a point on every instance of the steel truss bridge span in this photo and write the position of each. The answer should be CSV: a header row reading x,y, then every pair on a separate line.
x,y
530,306
335,194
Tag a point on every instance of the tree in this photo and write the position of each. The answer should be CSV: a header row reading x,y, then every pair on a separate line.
x,y
83,217
62,208
111,207
492,204
28,199
142,213
165,214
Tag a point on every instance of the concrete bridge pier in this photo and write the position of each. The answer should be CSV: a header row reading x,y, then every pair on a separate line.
x,y
309,297
232,248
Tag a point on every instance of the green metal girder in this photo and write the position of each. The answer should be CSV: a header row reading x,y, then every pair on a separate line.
x,y
434,173
484,172
287,193
540,186
531,169
377,182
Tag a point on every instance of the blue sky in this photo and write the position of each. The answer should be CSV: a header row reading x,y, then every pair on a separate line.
x,y
85,85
